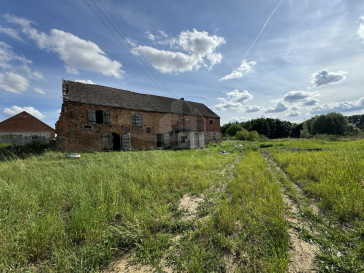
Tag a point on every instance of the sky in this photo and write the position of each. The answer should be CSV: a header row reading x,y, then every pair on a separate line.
x,y
244,59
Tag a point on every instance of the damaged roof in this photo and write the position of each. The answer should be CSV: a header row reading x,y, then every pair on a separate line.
x,y
108,96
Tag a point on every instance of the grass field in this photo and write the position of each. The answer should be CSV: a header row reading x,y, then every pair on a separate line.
x,y
79,215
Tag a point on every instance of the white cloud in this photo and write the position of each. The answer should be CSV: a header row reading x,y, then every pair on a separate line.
x,y
310,102
9,112
8,57
36,75
162,34
85,81
237,96
17,20
233,100
325,77
346,106
39,90
361,28
10,32
293,114
296,96
167,61
280,107
13,82
150,36
159,36
253,109
199,43
10,62
244,68
75,52
130,42
198,49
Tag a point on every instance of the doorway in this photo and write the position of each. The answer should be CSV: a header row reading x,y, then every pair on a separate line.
x,y
159,140
196,139
111,142
116,142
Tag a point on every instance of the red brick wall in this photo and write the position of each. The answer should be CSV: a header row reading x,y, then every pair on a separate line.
x,y
25,122
206,124
74,118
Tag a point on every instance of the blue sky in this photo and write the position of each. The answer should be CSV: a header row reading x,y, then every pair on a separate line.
x,y
287,59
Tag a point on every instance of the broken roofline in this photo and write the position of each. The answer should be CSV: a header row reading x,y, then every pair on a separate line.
x,y
108,96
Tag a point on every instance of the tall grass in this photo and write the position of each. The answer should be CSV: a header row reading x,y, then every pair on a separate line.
x,y
70,215
257,207
335,178
245,230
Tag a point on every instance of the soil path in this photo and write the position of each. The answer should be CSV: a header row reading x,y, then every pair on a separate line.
x,y
188,205
301,253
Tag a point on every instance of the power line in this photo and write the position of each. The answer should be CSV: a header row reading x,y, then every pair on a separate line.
x,y
116,31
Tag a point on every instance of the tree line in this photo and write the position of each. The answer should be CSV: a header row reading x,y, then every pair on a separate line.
x,y
330,124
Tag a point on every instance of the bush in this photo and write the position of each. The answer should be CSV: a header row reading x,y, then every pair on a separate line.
x,y
33,148
246,135
253,136
233,129
242,135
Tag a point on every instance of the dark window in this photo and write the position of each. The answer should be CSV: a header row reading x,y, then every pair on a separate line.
x,y
127,130
183,138
211,121
100,116
137,120
187,120
199,124
88,127
149,130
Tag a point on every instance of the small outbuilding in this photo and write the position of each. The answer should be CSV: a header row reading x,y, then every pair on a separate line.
x,y
24,128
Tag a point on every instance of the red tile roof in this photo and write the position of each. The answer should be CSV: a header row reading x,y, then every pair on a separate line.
x,y
24,122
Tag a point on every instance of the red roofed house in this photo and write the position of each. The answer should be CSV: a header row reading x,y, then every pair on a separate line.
x,y
23,128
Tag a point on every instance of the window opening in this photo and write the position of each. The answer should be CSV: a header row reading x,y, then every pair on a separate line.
x,y
136,120
199,124
99,116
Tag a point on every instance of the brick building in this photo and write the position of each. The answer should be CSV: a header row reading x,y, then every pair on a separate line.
x,y
24,128
96,118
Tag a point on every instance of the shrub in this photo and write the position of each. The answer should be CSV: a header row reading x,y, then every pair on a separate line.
x,y
33,148
253,135
242,134
233,129
246,135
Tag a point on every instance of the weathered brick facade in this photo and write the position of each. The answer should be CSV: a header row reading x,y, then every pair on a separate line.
x,y
23,128
85,126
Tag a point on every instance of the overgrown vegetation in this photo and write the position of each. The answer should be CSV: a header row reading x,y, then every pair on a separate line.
x,y
71,215
334,178
8,152
327,124
77,215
